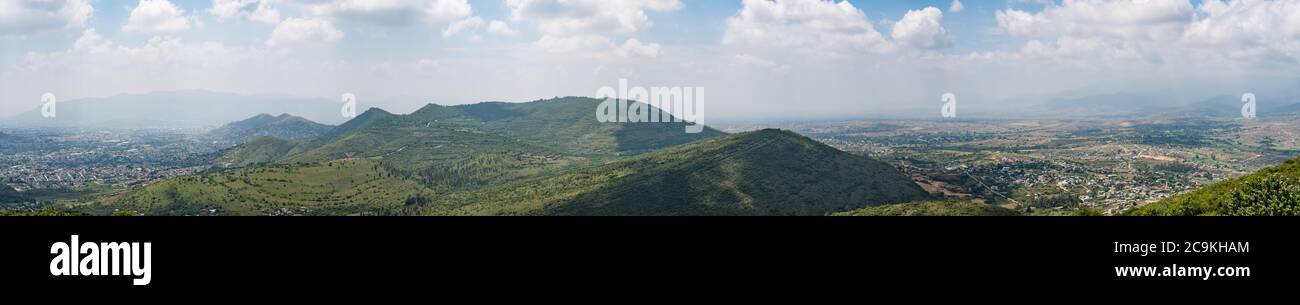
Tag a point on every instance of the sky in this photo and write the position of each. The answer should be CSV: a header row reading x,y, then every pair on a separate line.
x,y
756,58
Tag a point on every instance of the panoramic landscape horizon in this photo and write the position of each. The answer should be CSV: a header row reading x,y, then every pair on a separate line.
x,y
650,107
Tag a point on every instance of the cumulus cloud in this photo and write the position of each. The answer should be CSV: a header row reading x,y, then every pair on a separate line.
x,y
21,17
1119,19
1249,28
156,16
251,10
922,29
304,31
1160,30
956,7
806,25
591,26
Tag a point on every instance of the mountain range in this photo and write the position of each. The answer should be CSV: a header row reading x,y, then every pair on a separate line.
x,y
548,157
188,109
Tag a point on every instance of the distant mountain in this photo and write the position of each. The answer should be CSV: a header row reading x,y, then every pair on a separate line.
x,y
193,108
933,208
766,172
284,126
1229,106
1152,105
1273,191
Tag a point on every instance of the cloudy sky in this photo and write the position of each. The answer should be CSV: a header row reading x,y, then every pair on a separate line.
x,y
756,58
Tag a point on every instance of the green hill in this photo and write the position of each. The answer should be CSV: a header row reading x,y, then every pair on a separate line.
x,y
454,147
441,149
767,172
933,208
283,126
257,151
1273,191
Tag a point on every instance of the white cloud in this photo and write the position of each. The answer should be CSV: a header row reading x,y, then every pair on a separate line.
x,y
805,25
470,23
500,28
956,7
252,10
156,16
922,29
1249,28
1157,31
591,26
21,17
1118,19
392,12
634,47
300,31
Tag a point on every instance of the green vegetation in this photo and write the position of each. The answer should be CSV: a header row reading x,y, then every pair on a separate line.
x,y
933,208
43,212
258,151
1273,191
283,126
766,172
332,188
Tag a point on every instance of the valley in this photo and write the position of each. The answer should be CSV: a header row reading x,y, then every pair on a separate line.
x,y
1052,167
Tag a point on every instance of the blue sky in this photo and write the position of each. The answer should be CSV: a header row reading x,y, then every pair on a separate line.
x,y
757,57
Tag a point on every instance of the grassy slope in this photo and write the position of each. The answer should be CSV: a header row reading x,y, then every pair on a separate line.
x,y
933,208
766,172
1213,199
339,187
257,151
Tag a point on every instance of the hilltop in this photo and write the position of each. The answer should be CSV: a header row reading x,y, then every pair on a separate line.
x,y
766,172
283,126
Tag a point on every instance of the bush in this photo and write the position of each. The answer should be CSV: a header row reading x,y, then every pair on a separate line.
x,y
1272,196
